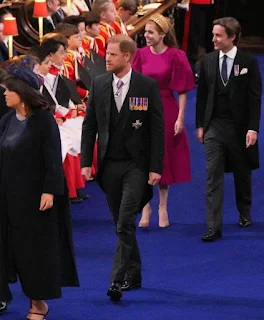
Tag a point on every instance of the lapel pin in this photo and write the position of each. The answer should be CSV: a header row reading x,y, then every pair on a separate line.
x,y
236,69
137,124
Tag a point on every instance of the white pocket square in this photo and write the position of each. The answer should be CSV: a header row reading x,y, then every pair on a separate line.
x,y
244,71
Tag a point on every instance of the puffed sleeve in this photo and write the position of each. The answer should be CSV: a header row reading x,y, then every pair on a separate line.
x,y
136,63
182,79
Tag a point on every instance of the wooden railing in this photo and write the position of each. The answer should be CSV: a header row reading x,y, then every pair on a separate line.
x,y
139,22
28,36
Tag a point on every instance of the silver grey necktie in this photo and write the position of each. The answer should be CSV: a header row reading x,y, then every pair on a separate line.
x,y
118,95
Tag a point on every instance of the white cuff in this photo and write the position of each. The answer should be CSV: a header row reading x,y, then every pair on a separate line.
x,y
61,110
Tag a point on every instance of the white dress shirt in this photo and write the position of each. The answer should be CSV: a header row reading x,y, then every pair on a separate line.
x,y
229,60
126,82
49,18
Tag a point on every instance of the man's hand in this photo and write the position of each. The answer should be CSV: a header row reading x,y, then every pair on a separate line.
x,y
200,134
154,178
46,201
87,173
251,138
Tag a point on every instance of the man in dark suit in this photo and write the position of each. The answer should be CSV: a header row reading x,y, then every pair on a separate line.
x,y
4,55
125,109
227,120
51,21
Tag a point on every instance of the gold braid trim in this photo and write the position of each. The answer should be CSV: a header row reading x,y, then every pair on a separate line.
x,y
163,22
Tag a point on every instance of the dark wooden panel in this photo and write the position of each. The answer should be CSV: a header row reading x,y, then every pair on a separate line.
x,y
27,35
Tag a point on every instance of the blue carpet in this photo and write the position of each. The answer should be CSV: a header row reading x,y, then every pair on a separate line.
x,y
183,277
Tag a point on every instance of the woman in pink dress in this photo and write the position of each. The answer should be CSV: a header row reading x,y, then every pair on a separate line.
x,y
163,61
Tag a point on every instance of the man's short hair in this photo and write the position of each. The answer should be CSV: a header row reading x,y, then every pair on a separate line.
x,y
90,18
128,5
232,27
75,20
58,37
39,52
126,44
100,6
66,29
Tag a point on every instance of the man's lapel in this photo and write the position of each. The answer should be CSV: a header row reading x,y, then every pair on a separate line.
x,y
213,68
107,92
132,92
234,77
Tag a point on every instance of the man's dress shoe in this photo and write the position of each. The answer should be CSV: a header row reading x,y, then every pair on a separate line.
x,y
245,221
131,283
3,306
114,292
82,196
75,200
212,235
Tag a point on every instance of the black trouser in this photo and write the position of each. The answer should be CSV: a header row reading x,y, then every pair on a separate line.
x,y
124,184
5,294
200,26
221,143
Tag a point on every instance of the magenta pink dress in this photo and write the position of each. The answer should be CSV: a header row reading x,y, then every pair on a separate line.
x,y
172,71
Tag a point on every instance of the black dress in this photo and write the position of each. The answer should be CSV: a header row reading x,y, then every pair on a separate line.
x,y
38,244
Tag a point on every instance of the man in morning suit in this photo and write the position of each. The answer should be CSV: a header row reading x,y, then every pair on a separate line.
x,y
125,110
227,121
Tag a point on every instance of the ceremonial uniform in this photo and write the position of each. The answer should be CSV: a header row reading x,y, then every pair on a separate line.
x,y
89,43
71,69
105,32
119,26
70,130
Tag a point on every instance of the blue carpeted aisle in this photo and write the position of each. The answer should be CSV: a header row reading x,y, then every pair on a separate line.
x,y
183,277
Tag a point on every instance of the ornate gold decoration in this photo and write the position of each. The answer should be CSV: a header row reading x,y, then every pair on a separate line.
x,y
140,12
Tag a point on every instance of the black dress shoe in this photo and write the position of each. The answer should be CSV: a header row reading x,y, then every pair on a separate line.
x,y
75,200
131,283
3,306
114,292
82,196
212,235
245,221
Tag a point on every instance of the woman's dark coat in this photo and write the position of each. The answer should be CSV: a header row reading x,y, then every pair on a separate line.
x,y
40,242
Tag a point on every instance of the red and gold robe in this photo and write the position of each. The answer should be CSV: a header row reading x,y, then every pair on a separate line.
x,y
119,26
89,43
71,69
105,32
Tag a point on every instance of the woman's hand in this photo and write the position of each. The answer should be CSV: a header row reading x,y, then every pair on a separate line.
x,y
46,201
178,126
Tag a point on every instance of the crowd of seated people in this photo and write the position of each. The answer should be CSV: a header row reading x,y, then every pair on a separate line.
x,y
71,37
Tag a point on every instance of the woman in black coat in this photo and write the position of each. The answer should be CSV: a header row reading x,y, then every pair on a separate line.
x,y
34,232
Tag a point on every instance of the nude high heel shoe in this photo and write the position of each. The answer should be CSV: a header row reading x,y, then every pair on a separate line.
x,y
163,217
145,217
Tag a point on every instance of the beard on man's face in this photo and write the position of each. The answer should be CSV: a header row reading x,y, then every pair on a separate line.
x,y
113,68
